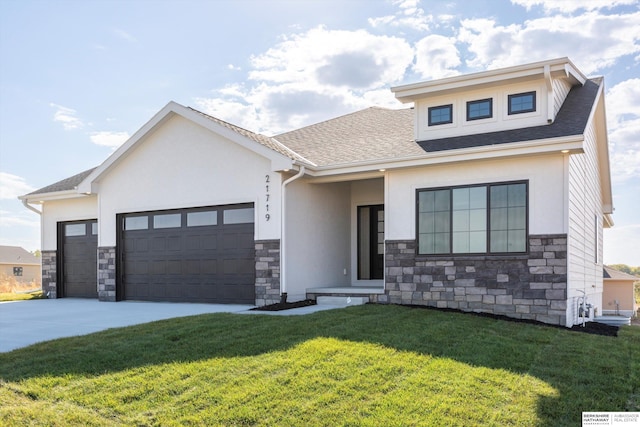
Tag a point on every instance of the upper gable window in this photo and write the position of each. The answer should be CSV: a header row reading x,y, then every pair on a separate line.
x,y
440,115
522,103
480,109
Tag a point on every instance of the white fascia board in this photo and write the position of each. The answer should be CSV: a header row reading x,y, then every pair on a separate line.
x,y
89,184
411,92
56,195
574,145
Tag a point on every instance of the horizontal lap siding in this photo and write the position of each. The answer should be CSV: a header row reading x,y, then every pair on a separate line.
x,y
584,241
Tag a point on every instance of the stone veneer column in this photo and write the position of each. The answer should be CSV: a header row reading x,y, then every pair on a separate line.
x,y
49,273
267,285
107,273
527,286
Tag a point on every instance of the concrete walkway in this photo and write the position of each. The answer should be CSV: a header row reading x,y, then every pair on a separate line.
x,y
23,323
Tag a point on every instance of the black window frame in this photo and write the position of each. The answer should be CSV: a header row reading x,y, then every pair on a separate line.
x,y
480,101
437,107
511,97
17,271
488,229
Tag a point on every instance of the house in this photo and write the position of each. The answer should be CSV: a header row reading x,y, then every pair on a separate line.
x,y
489,194
19,265
618,296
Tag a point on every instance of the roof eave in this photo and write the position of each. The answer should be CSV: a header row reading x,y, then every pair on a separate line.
x,y
557,68
573,144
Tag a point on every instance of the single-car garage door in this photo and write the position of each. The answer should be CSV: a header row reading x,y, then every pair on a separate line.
x,y
79,275
189,255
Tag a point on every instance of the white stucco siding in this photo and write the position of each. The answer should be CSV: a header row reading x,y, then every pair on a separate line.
x,y
55,211
501,120
546,174
584,259
183,165
317,236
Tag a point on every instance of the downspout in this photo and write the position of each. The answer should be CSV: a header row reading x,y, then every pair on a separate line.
x,y
31,208
283,275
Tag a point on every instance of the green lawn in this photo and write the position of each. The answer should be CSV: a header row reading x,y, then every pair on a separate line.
x,y
12,296
370,365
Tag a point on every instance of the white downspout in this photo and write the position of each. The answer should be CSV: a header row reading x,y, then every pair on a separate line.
x,y
31,208
283,275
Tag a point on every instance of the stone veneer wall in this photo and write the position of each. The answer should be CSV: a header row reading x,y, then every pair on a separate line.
x,y
107,273
49,273
267,272
529,286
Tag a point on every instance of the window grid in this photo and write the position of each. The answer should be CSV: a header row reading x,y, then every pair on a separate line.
x,y
522,103
480,219
440,115
480,109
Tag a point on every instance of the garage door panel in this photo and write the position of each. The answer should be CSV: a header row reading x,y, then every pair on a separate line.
x,y
79,252
206,261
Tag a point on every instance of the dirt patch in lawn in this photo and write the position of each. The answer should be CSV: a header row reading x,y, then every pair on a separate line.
x,y
285,305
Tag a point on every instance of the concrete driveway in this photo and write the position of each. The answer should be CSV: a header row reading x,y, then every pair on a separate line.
x,y
23,323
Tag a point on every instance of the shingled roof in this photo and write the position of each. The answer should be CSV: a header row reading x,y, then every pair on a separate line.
x,y
371,134
610,273
17,255
571,120
65,184
256,137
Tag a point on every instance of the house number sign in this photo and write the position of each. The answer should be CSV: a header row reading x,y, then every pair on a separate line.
x,y
267,180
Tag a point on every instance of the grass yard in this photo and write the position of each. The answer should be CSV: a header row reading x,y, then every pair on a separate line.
x,y
370,365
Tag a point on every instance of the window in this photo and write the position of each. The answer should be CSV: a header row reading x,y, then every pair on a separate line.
x,y
522,103
136,223
17,271
480,109
238,216
167,221
202,218
71,230
472,220
440,115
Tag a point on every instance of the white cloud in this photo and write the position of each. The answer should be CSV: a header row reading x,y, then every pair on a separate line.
x,y
409,16
12,186
67,116
109,139
592,40
437,57
568,6
312,76
623,122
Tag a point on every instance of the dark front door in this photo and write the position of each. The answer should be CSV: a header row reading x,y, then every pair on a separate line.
x,y
371,242
78,258
189,255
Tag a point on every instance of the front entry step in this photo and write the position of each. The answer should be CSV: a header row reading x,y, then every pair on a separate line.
x,y
341,301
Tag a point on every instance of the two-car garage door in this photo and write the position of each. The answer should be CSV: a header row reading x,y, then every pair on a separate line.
x,y
192,255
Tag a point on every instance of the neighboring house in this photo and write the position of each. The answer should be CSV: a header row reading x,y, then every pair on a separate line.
x,y
20,265
618,297
489,195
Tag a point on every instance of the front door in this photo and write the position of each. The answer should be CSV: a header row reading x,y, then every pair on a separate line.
x,y
371,242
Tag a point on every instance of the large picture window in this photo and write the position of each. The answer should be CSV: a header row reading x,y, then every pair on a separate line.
x,y
477,219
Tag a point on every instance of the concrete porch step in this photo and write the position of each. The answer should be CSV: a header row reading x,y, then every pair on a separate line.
x,y
342,301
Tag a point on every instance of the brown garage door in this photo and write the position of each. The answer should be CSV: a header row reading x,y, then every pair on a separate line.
x,y
190,255
79,258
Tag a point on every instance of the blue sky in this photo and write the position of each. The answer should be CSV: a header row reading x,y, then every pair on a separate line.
x,y
77,78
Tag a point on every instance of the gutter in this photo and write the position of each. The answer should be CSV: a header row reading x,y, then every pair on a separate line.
x,y
283,233
31,208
